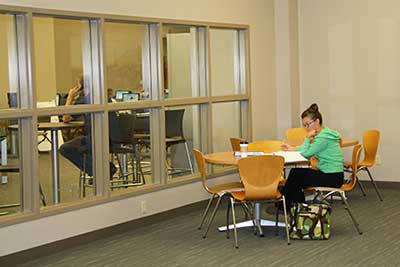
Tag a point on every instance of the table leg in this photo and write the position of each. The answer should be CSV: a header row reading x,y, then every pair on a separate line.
x,y
257,217
56,167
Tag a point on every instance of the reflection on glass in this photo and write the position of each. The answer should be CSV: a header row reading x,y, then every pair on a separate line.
x,y
226,124
124,50
8,85
182,134
177,41
130,146
224,56
10,186
59,60
65,158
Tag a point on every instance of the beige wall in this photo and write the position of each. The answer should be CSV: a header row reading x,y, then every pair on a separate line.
x,y
350,66
258,14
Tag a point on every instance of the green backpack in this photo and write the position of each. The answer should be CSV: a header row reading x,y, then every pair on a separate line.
x,y
310,221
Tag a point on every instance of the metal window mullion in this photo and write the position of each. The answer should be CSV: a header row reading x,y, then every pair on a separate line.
x,y
203,61
245,85
157,116
94,71
28,151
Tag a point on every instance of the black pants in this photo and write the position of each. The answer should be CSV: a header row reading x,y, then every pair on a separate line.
x,y
78,151
300,178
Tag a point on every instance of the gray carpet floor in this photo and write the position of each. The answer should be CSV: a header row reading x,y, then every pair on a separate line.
x,y
175,241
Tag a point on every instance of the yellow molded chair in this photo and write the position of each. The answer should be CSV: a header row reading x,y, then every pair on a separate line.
x,y
260,177
219,190
370,144
235,143
295,136
268,146
324,192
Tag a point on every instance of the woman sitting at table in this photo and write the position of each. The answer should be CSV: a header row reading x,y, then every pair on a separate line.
x,y
322,143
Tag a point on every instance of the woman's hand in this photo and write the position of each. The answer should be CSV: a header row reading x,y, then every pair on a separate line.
x,y
287,147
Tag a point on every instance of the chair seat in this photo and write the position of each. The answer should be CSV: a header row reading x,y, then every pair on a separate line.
x,y
9,168
227,187
241,196
282,181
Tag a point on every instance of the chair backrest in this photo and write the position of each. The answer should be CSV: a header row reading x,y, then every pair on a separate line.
x,y
260,176
370,142
12,98
235,143
174,123
266,146
295,136
355,159
201,164
121,127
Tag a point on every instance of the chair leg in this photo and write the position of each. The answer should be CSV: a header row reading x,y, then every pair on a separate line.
x,y
234,223
206,211
42,196
286,220
373,183
248,214
228,208
361,187
276,221
189,159
341,194
213,215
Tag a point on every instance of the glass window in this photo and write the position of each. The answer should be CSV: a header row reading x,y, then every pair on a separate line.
x,y
225,126
125,47
58,55
8,63
224,61
182,134
10,182
65,158
177,43
130,149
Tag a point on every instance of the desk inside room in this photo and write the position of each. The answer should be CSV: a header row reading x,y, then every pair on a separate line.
x,y
53,127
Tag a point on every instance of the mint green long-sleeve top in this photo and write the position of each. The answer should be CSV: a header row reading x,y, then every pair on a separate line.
x,y
326,148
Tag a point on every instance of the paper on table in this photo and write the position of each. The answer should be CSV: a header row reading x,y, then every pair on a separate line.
x,y
248,153
291,156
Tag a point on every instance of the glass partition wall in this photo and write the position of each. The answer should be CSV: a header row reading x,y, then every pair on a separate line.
x,y
97,107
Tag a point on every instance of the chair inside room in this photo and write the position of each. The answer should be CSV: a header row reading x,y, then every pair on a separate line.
x,y
370,145
295,136
260,177
123,150
217,191
174,136
123,147
324,192
235,143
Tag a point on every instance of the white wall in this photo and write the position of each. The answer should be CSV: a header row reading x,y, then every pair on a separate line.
x,y
257,13
350,66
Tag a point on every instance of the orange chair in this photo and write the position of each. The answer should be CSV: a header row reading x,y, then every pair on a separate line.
x,y
235,143
268,146
325,192
260,177
219,190
370,144
295,136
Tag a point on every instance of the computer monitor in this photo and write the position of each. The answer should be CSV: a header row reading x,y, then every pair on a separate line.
x,y
119,94
129,97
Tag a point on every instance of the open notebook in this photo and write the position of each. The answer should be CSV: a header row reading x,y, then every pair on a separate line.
x,y
290,156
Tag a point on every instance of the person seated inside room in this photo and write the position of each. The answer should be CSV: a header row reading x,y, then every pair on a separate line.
x,y
323,144
78,150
